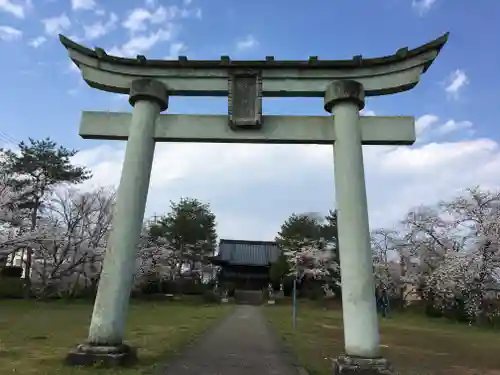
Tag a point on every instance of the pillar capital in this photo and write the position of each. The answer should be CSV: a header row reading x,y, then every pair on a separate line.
x,y
344,91
149,89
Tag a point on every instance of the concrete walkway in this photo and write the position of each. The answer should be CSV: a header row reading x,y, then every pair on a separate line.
x,y
241,345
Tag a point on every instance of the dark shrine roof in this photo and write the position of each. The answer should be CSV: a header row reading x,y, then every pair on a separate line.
x,y
250,253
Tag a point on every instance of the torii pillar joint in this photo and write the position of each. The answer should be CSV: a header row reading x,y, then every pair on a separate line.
x,y
105,340
345,99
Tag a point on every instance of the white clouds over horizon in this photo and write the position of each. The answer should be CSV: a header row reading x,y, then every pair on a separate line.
x,y
253,188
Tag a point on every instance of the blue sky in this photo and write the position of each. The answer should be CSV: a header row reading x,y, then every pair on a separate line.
x,y
456,103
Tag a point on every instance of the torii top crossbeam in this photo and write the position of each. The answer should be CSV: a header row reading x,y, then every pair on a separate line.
x,y
277,78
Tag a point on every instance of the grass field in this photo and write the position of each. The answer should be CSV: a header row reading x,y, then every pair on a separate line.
x,y
35,336
416,345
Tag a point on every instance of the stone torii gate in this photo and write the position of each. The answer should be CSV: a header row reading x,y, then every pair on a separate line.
x,y
342,83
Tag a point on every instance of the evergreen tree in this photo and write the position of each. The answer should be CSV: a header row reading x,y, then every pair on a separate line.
x,y
190,228
35,170
299,229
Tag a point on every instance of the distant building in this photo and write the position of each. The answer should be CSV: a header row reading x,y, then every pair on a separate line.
x,y
246,264
16,259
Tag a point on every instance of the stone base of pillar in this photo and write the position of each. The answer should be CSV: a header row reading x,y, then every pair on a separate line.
x,y
105,356
347,365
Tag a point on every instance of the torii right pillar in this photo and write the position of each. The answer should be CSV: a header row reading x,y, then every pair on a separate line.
x,y
345,98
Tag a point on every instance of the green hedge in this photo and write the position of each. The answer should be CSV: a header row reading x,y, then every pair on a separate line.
x,y
11,271
11,287
181,286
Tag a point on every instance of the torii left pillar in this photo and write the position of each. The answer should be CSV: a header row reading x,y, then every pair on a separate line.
x,y
105,340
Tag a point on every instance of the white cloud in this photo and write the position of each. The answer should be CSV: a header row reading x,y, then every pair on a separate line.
x,y
140,44
254,188
432,157
83,4
424,122
136,19
455,83
17,8
8,33
175,50
139,18
422,6
367,112
247,43
38,41
56,25
453,126
100,28
429,127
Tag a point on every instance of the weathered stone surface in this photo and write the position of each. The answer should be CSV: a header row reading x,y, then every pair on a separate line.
x,y
245,100
346,365
344,90
105,356
149,89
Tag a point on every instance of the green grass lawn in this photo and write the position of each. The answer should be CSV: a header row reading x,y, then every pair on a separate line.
x,y
416,345
35,336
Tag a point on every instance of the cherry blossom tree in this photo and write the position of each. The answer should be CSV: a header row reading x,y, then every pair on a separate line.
x,y
311,259
310,239
471,276
453,248
157,261
393,264
68,257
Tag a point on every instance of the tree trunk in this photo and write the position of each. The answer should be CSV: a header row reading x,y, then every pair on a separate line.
x,y
29,253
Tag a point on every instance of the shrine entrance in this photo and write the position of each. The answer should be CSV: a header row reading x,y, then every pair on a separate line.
x,y
343,84
245,265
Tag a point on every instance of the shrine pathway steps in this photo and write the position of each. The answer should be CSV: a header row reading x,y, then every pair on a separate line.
x,y
242,344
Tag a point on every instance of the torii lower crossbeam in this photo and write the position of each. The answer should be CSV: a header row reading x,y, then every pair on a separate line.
x,y
375,130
